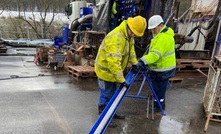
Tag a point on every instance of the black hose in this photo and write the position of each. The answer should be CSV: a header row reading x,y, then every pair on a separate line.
x,y
75,24
218,11
73,28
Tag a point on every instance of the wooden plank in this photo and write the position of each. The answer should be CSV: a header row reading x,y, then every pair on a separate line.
x,y
198,65
176,79
192,60
80,48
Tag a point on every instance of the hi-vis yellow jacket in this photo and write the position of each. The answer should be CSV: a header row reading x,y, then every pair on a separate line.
x,y
114,53
161,56
114,9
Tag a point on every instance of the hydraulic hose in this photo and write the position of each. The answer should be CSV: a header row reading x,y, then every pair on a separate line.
x,y
75,24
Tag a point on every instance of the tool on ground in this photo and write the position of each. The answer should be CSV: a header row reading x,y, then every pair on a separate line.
x,y
150,98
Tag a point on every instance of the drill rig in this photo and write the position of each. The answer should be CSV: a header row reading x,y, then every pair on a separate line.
x,y
196,27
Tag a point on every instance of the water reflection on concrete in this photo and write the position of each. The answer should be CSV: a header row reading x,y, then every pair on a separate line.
x,y
37,102
170,126
125,127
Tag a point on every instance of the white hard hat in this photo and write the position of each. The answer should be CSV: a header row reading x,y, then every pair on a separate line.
x,y
154,21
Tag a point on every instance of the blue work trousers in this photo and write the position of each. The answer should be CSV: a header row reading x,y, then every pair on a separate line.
x,y
107,90
160,81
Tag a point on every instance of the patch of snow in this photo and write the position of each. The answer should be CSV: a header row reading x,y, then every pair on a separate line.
x,y
33,42
59,17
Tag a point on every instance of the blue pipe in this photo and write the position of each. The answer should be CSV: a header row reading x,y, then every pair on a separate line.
x,y
106,116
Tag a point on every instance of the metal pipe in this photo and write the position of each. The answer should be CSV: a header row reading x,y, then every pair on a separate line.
x,y
110,111
76,23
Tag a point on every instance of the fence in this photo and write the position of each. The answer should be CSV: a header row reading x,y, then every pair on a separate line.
x,y
212,94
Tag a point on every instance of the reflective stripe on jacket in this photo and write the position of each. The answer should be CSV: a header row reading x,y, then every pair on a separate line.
x,y
114,53
161,55
114,9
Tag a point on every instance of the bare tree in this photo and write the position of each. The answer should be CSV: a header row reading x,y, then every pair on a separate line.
x,y
42,21
39,25
16,27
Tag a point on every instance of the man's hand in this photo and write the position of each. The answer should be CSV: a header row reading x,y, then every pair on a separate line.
x,y
134,69
126,83
139,66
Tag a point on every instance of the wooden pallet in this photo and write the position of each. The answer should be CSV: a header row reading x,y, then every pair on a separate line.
x,y
81,71
191,63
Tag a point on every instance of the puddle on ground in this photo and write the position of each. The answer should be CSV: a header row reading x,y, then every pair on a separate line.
x,y
171,126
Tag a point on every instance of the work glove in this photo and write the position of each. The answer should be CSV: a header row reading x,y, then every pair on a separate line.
x,y
134,69
139,66
126,83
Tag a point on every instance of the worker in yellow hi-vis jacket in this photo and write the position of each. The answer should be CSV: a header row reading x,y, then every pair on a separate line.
x,y
115,51
161,59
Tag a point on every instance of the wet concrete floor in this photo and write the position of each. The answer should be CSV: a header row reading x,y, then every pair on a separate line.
x,y
36,100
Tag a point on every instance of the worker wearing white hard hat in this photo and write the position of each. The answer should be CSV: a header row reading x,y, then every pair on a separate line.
x,y
160,59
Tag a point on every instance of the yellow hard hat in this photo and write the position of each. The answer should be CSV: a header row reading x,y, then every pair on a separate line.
x,y
137,25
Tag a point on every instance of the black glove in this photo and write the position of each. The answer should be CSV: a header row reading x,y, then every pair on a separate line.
x,y
139,66
134,69
126,83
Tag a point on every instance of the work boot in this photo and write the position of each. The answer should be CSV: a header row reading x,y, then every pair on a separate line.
x,y
101,108
116,116
157,108
119,116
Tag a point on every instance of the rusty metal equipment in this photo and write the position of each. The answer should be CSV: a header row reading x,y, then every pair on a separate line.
x,y
56,60
41,56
